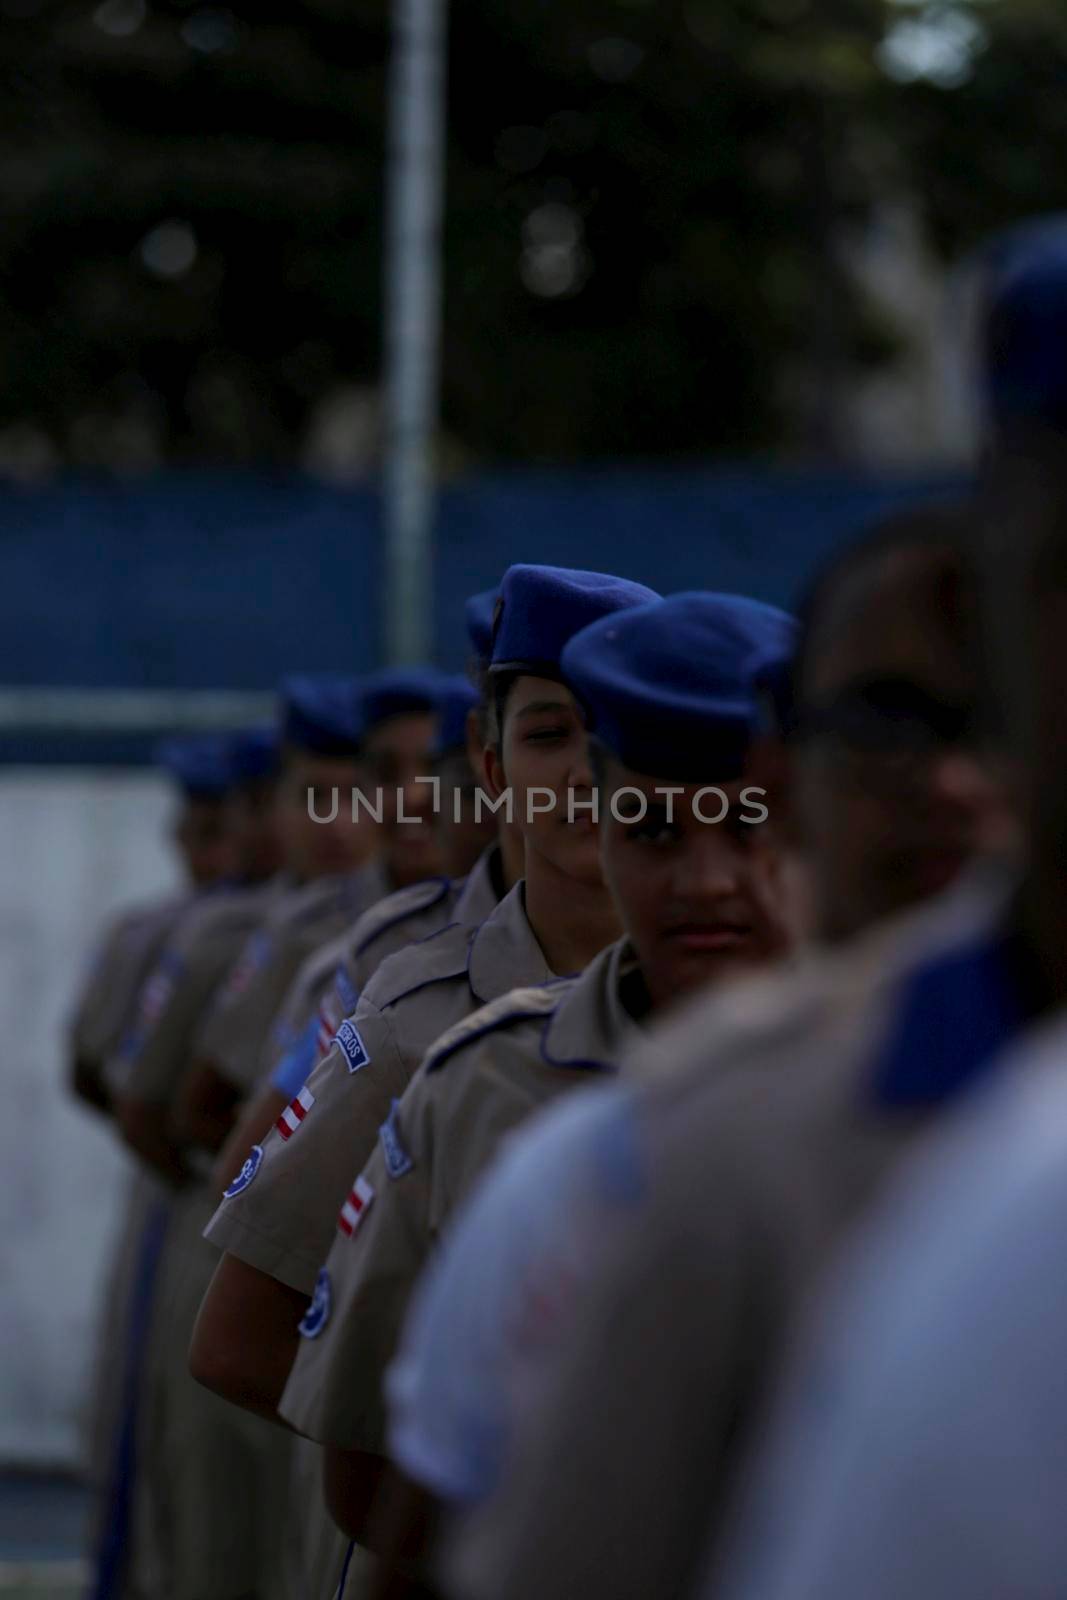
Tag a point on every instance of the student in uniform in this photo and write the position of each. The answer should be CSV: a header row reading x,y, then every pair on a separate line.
x,y
326,990
127,1544
787,1106
279,1213
667,691
217,1511
342,873
320,745
200,769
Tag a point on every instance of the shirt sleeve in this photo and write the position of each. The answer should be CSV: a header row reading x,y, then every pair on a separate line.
x,y
497,1298
282,1220
381,1241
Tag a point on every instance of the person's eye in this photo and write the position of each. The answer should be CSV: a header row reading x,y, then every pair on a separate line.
x,y
547,735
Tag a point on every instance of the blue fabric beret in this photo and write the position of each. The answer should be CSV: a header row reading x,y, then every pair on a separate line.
x,y
458,698
198,763
478,613
540,608
1025,334
397,691
254,753
668,688
323,714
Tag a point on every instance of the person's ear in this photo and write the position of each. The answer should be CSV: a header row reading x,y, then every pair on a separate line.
x,y
493,771
475,746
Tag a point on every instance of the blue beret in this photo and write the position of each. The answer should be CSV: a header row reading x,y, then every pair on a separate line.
x,y
323,714
669,688
458,698
198,763
1025,333
540,608
254,753
397,691
478,612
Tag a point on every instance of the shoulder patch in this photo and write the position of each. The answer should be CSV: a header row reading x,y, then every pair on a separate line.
x,y
517,1005
360,1199
352,1047
317,1314
246,1174
395,908
397,1159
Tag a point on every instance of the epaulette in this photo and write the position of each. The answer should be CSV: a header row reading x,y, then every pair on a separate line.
x,y
516,1006
441,955
397,907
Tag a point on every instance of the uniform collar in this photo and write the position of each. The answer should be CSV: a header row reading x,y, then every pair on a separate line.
x,y
591,1027
478,898
503,953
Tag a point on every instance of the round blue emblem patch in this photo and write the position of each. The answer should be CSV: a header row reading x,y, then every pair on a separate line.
x,y
246,1174
317,1314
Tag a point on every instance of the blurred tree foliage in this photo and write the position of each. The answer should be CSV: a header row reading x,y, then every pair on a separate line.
x,y
645,202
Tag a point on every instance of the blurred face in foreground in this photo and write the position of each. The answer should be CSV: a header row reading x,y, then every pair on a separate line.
x,y
543,756
398,753
205,841
700,899
890,799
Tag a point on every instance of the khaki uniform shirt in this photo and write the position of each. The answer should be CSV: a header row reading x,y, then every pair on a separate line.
x,y
328,987
279,1214
751,1160
235,1032
123,960
479,1082
157,1047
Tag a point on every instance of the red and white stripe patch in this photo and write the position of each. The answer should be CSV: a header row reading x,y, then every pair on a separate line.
x,y
294,1113
355,1208
328,1025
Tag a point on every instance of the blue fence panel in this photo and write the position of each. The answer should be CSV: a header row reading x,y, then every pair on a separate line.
x,y
199,580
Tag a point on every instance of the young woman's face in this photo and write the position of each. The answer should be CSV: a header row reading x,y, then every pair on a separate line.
x,y
544,759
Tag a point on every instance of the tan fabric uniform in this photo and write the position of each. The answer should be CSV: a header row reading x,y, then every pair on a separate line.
x,y
326,983
149,1063
330,984
236,1031
283,1219
120,965
101,1015
209,1522
757,1153
479,1082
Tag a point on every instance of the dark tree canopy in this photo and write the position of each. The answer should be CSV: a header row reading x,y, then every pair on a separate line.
x,y
644,203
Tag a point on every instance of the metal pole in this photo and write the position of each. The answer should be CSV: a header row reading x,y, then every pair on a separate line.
x,y
415,179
